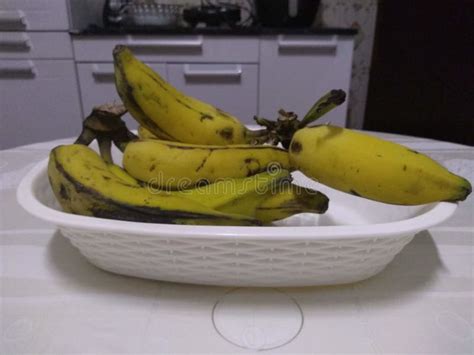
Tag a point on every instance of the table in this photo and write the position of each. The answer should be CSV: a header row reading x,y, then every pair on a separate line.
x,y
54,301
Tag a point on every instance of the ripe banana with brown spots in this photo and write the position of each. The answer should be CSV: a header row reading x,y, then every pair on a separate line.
x,y
370,167
168,113
84,184
177,166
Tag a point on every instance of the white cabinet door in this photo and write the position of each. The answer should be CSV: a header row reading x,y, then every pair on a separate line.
x,y
34,15
230,87
96,81
39,100
170,48
295,71
40,45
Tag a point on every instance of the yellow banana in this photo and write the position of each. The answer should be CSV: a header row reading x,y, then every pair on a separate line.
x,y
289,200
123,175
83,184
167,112
373,168
268,196
172,165
225,192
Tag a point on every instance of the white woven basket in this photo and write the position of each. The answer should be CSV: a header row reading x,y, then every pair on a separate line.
x,y
354,240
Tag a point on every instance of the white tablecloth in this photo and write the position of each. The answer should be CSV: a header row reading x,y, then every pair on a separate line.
x,y
54,302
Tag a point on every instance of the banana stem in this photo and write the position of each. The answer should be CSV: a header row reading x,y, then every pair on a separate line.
x,y
106,126
105,146
86,137
325,104
260,136
283,129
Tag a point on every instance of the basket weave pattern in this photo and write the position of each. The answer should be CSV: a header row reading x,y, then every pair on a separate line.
x,y
234,262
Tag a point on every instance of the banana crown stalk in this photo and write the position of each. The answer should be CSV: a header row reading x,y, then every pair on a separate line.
x,y
370,167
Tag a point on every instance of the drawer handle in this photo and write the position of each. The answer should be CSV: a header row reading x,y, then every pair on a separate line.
x,y
12,39
189,72
192,43
26,67
13,18
102,73
313,44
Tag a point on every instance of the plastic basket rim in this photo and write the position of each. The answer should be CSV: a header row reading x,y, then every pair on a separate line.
x,y
438,213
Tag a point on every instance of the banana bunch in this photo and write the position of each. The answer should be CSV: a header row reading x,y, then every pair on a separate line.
x,y
373,168
85,184
193,163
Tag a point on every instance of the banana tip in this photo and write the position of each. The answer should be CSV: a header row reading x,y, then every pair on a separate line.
x,y
119,49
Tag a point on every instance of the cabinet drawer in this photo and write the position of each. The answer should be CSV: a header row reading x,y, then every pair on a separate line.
x,y
171,48
231,87
39,101
295,71
96,81
44,15
50,45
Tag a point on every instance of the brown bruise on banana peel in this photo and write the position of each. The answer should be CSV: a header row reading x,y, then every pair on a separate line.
x,y
296,147
227,133
63,192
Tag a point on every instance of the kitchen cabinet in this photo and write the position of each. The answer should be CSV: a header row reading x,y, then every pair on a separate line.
x,y
38,101
39,96
295,71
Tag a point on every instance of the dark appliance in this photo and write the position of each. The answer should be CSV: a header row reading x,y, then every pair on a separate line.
x,y
286,13
212,15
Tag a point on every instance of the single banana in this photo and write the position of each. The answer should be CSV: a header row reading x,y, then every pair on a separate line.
x,y
172,165
83,184
289,200
370,167
269,195
167,112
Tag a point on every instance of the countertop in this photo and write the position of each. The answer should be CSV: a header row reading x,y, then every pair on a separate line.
x,y
217,31
54,301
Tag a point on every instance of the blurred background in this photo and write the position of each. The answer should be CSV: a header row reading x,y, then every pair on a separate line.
x,y
405,65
